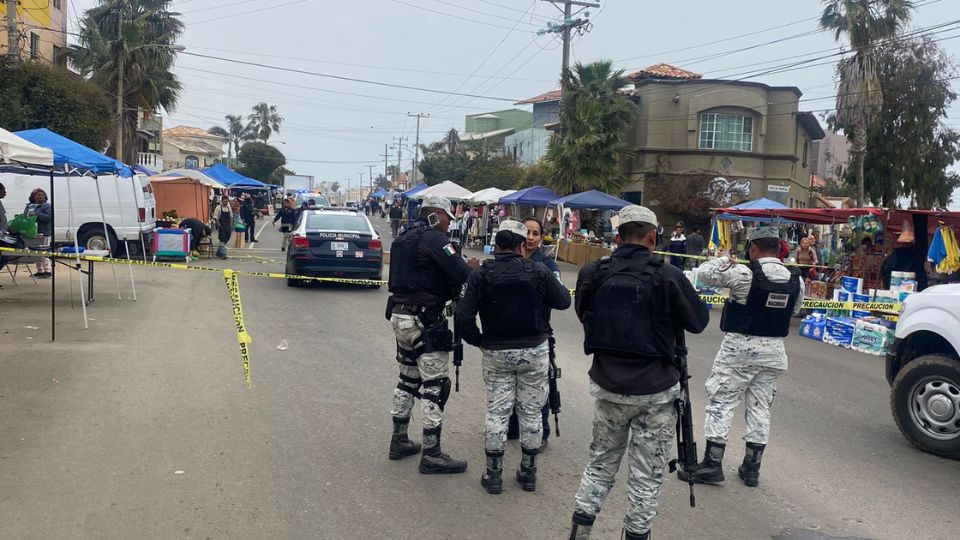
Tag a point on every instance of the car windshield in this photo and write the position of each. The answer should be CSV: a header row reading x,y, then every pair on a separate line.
x,y
337,222
317,198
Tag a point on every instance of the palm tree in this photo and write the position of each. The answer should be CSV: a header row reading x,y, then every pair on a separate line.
x,y
865,23
142,48
586,154
235,133
264,121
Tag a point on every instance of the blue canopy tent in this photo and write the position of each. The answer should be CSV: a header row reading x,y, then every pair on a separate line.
x,y
531,196
378,194
230,178
593,199
757,204
414,190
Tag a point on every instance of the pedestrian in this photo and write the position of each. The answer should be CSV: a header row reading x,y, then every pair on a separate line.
x,y
396,214
287,216
695,245
513,297
426,272
3,211
764,295
223,221
39,206
532,251
633,308
198,231
248,212
678,245
806,254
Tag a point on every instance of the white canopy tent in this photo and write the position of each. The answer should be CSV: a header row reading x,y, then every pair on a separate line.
x,y
489,195
15,150
447,189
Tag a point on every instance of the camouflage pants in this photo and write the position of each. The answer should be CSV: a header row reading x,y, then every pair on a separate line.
x,y
727,387
648,424
430,366
515,376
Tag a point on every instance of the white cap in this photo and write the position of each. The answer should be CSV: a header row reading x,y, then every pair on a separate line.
x,y
513,226
637,214
440,203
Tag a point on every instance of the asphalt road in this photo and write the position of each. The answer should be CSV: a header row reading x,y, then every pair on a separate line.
x,y
142,427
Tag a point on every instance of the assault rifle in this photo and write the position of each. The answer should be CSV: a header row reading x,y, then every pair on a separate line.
x,y
553,373
457,341
686,443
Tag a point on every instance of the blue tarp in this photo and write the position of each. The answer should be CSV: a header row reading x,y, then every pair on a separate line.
x,y
531,196
228,177
593,199
758,204
71,154
414,190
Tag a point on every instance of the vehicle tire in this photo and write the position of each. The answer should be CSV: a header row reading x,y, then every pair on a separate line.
x,y
925,401
94,238
293,282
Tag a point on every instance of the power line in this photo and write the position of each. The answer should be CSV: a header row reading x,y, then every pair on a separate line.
x,y
456,16
445,2
248,12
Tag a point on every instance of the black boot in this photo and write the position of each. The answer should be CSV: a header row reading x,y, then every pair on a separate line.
x,y
400,445
493,478
433,461
582,525
749,471
627,535
708,471
527,473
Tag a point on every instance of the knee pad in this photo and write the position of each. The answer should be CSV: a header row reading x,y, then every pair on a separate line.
x,y
444,393
410,385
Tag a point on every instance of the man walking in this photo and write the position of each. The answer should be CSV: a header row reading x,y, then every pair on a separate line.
x,y
426,272
632,307
764,295
248,213
396,214
695,245
514,297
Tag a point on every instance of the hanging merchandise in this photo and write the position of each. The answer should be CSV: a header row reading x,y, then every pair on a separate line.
x,y
944,251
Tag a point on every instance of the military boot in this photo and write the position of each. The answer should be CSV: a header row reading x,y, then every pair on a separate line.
x,y
708,471
582,525
400,445
433,461
749,471
627,535
493,478
527,473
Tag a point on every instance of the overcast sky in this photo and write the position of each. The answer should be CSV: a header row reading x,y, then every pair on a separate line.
x,y
480,47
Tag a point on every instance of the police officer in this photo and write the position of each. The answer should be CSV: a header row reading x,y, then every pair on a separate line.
x,y
764,295
425,273
532,251
514,297
632,307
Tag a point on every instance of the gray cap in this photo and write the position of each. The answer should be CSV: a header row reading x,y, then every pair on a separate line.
x,y
513,226
440,203
637,214
762,232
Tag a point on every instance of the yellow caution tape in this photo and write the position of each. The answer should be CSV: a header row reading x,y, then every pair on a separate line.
x,y
233,287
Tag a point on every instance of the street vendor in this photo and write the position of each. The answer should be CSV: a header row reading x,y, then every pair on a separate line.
x,y
904,258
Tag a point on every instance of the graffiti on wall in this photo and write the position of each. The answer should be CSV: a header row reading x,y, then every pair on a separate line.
x,y
723,191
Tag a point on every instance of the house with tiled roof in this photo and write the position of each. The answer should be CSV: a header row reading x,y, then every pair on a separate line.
x,y
191,148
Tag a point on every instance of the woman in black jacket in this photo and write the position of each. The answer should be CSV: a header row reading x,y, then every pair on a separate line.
x,y
248,213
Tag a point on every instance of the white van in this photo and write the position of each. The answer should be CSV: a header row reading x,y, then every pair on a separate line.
x,y
136,200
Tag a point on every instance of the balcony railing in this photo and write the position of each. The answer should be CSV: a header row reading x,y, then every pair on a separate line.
x,y
151,160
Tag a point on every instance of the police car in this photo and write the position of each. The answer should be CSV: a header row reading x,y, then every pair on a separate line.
x,y
335,243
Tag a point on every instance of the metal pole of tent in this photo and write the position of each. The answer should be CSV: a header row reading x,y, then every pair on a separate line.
x,y
76,248
126,244
106,234
143,244
53,266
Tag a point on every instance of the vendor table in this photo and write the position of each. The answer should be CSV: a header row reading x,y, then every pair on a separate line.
x,y
74,264
581,254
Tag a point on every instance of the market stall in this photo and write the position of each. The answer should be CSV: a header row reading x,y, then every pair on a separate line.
x,y
579,247
182,196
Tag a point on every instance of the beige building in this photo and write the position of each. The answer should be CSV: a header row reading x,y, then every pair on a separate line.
x,y
749,136
191,148
41,29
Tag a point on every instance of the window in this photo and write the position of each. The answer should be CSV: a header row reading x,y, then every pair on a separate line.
x,y
57,5
726,131
34,46
337,222
192,162
58,58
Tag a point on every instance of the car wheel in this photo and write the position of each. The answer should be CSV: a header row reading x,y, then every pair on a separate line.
x,y
95,239
925,400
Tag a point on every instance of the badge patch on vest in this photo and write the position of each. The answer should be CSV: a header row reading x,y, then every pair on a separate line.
x,y
778,301
449,250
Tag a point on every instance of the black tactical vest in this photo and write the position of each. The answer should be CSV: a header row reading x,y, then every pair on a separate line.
x,y
627,315
768,309
409,272
512,304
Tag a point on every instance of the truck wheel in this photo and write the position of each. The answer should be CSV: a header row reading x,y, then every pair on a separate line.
x,y
925,400
95,239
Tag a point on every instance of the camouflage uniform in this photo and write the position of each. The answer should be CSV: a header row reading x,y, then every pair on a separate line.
x,y
515,376
648,424
408,330
745,365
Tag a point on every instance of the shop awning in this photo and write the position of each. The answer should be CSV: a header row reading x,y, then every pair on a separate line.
x,y
531,196
593,200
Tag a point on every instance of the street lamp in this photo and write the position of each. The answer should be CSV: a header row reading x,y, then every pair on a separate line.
x,y
122,67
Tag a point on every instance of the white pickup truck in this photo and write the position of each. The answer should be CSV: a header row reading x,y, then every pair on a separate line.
x,y
923,369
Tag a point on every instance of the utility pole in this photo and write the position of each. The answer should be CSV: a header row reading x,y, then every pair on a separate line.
x,y
416,148
399,146
385,155
13,35
370,168
565,29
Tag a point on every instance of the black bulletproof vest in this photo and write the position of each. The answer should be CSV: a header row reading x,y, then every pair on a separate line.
x,y
411,273
512,304
627,315
768,309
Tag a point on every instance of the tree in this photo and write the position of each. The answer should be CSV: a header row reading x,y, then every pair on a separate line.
x,y
381,182
141,48
235,132
691,197
335,187
488,171
264,121
587,153
35,95
859,93
437,168
277,177
537,174
260,161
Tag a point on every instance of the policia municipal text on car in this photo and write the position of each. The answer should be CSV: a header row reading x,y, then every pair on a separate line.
x,y
514,297
426,272
633,308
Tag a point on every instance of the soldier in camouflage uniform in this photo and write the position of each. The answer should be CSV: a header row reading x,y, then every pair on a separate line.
x,y
763,298
632,307
513,297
